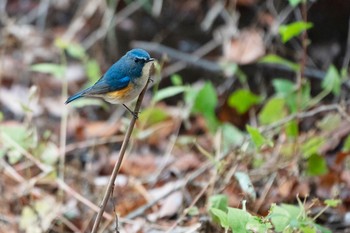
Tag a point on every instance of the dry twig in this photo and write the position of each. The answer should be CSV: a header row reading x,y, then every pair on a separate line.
x,y
119,162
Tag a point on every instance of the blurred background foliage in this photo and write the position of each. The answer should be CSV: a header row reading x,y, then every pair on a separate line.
x,y
245,127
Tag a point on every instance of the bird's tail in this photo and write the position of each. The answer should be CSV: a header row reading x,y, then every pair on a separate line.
x,y
76,96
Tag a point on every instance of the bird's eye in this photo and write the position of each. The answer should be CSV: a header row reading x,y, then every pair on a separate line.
x,y
136,60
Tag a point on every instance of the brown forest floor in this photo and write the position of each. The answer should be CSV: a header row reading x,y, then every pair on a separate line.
x,y
178,158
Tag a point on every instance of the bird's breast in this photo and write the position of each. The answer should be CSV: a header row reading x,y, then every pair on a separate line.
x,y
133,89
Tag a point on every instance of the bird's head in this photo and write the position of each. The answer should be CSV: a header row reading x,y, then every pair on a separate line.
x,y
137,60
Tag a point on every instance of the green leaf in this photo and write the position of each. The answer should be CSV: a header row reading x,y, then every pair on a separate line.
x,y
205,103
256,224
93,71
330,122
308,229
280,217
284,216
275,59
168,92
272,111
242,100
245,183
76,50
153,116
283,87
292,129
289,31
346,146
60,43
294,3
17,133
312,146
14,156
316,165
258,139
237,219
193,211
287,90
50,68
221,217
331,81
232,137
176,80
332,202
219,201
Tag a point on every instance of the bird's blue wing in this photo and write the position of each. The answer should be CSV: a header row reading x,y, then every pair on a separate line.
x,y
105,85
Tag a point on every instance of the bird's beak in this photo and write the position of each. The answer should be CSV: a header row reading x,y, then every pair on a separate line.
x,y
151,59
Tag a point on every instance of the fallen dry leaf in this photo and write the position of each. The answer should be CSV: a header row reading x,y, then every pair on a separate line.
x,y
246,48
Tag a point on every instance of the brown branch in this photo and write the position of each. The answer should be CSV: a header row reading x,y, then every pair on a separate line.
x,y
119,162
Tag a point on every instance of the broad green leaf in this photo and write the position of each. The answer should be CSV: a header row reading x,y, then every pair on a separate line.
x,y
280,218
168,92
316,165
237,219
258,139
17,133
246,184
153,115
242,100
219,201
221,217
76,50
331,81
206,99
275,59
176,80
93,71
312,146
294,3
50,68
289,31
273,111
205,103
332,202
293,211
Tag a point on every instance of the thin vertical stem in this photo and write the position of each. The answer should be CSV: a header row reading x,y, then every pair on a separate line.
x,y
119,162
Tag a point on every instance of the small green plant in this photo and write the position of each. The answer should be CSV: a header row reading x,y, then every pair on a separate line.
x,y
234,219
281,218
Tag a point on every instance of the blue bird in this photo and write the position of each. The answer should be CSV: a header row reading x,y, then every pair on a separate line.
x,y
123,81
